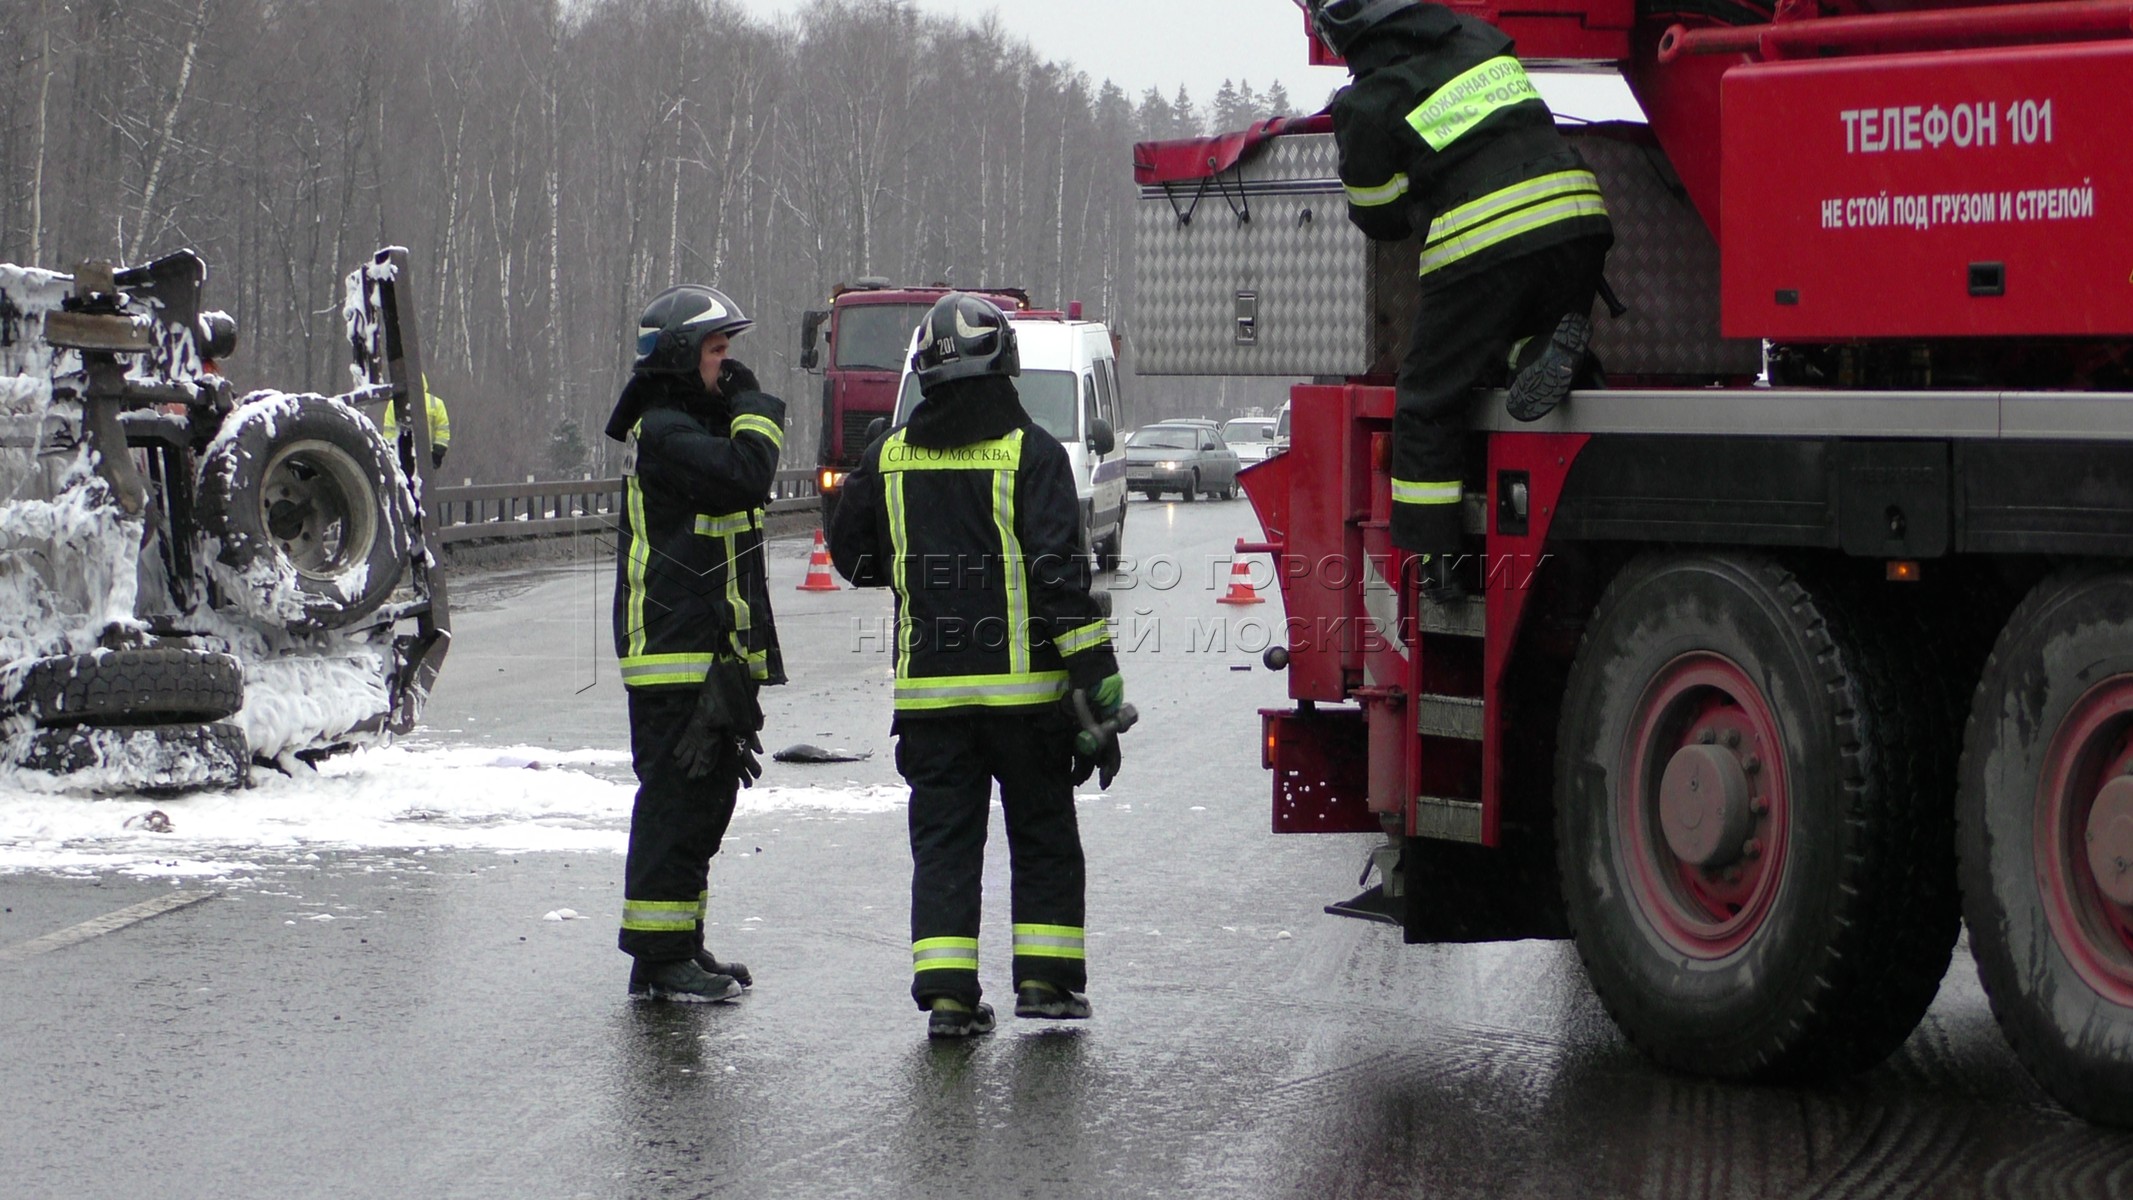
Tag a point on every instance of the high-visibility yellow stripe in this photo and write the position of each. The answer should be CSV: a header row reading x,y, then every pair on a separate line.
x,y
725,524
984,691
660,916
1050,941
1470,99
944,954
1086,637
1379,196
640,556
1524,221
1000,454
1003,510
1487,208
1435,492
759,425
899,550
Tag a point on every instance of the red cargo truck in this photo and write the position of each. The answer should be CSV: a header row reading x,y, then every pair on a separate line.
x,y
870,326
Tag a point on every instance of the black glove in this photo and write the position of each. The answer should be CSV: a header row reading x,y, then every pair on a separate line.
x,y
720,737
734,378
1103,762
437,454
746,766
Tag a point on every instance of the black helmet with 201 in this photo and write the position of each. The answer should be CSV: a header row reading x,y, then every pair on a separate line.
x,y
1340,22
671,333
965,336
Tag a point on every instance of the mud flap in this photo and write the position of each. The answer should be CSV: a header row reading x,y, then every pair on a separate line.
x,y
1459,892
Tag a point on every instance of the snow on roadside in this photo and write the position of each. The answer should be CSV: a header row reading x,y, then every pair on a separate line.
x,y
519,800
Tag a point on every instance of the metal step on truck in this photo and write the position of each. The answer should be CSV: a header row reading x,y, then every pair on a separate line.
x,y
193,580
1809,639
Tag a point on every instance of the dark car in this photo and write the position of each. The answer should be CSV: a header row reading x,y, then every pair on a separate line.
x,y
1189,459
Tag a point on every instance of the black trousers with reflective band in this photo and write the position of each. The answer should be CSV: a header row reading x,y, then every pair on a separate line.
x,y
951,764
1464,330
675,827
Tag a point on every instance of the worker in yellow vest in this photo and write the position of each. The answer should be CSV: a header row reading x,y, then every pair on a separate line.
x,y
440,424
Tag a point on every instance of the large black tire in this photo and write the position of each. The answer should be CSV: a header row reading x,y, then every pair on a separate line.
x,y
131,687
307,515
1113,548
1716,700
144,758
2045,837
1192,489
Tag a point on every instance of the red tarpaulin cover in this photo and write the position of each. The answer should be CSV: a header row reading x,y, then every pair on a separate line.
x,y
1190,159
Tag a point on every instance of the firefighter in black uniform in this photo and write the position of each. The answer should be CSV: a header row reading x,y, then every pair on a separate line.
x,y
692,623
1443,136
969,513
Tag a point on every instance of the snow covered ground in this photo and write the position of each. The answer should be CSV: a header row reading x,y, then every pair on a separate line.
x,y
398,801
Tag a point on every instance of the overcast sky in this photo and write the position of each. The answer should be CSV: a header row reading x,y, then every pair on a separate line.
x,y
1139,44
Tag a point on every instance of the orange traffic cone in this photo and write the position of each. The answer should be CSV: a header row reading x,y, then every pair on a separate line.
x,y
818,569
1240,585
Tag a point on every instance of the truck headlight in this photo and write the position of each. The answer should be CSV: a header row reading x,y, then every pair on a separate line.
x,y
829,480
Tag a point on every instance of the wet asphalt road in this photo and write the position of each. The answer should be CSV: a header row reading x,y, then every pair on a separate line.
x,y
439,1039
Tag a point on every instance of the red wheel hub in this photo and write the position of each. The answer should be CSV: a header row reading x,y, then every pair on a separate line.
x,y
2084,837
1702,810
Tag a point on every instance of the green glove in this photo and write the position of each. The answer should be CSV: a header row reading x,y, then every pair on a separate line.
x,y
1108,695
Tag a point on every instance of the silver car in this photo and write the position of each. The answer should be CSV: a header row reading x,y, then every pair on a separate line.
x,y
1251,437
1187,459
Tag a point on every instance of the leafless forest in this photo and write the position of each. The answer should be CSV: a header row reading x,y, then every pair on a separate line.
x,y
552,163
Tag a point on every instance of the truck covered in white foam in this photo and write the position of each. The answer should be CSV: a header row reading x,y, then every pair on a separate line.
x,y
192,581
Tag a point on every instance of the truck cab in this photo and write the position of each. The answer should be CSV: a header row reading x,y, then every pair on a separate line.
x,y
869,335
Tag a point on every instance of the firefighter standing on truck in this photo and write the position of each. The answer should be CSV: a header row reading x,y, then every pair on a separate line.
x,y
1443,136
692,624
969,513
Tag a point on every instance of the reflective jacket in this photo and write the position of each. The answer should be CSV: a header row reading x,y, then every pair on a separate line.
x,y
689,572
1442,135
969,513
440,418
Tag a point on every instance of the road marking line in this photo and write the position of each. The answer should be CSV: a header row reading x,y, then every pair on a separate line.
x,y
98,926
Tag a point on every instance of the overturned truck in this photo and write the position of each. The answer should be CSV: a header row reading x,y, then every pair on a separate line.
x,y
192,581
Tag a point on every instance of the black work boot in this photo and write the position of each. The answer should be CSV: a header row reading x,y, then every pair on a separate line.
x,y
739,971
1050,1001
1541,384
955,1019
681,981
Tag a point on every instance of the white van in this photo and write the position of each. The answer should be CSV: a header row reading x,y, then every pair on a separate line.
x,y
1069,384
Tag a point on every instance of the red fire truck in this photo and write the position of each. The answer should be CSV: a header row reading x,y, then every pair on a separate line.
x,y
870,325
1808,640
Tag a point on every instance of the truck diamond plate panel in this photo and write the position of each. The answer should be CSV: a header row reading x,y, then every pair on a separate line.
x,y
1330,302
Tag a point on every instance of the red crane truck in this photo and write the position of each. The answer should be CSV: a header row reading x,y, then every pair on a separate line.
x,y
1810,638
870,325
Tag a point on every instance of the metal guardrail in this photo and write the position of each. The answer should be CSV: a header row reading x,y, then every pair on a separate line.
x,y
497,511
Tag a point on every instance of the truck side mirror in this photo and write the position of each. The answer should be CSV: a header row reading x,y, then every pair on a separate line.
x,y
810,323
875,428
1101,439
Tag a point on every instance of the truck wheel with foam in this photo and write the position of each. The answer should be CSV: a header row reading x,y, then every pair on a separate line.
x,y
306,511
145,686
2045,819
1754,821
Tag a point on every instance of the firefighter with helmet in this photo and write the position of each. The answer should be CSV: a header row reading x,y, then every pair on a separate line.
x,y
693,624
1442,136
969,513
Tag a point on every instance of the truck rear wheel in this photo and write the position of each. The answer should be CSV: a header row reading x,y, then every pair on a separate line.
x,y
1753,822
2045,818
